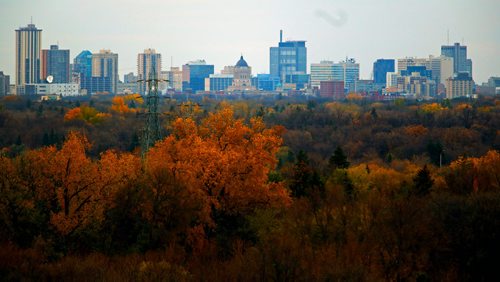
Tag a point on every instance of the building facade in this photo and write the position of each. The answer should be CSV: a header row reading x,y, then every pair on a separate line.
x,y
321,72
460,85
4,84
242,77
218,82
55,62
147,62
380,69
60,89
290,57
332,89
28,46
459,54
194,74
104,72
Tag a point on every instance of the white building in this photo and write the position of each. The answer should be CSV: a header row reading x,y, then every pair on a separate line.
x,y
63,89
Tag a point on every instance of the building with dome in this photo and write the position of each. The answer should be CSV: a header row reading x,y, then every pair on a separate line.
x,y
242,77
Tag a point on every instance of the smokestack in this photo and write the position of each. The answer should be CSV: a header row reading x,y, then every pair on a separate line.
x,y
281,35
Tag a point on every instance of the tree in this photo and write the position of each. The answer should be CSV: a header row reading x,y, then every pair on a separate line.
x,y
423,182
338,159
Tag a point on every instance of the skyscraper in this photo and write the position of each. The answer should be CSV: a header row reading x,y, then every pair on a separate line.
x,y
146,62
28,45
290,57
55,62
104,72
349,70
459,55
380,69
82,69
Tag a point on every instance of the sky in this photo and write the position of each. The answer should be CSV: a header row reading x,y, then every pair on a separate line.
x,y
219,31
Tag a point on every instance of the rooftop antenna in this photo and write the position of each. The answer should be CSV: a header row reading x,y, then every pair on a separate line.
x,y
281,35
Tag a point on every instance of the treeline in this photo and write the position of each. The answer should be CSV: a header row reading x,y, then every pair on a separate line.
x,y
229,194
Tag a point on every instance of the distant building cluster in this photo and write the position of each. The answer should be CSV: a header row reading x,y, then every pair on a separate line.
x,y
50,71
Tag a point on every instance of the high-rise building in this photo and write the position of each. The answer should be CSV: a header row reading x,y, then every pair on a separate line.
x,y
146,63
321,72
104,72
129,78
460,85
55,62
4,84
82,70
290,57
459,55
194,74
350,73
28,46
380,69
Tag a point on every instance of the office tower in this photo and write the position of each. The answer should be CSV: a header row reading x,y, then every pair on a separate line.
x,y
28,46
380,69
421,70
194,74
290,57
460,85
242,77
147,62
266,82
350,73
332,89
82,70
321,72
4,84
104,72
459,55
55,62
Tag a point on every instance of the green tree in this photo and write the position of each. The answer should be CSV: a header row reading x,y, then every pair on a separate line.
x,y
423,182
338,159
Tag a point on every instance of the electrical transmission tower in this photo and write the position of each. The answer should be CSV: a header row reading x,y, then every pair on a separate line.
x,y
152,129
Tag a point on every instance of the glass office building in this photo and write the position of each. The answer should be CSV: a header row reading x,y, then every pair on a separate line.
x,y
55,62
380,69
290,57
194,74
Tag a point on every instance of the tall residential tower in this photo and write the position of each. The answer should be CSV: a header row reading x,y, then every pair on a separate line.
x,y
28,46
146,62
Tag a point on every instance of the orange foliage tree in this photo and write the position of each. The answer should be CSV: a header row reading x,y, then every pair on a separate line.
x,y
223,162
85,113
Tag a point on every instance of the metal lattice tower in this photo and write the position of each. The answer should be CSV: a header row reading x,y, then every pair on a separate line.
x,y
152,128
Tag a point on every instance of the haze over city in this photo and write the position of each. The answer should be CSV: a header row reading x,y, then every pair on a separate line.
x,y
220,31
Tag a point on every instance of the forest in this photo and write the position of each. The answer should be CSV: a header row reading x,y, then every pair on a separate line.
x,y
280,189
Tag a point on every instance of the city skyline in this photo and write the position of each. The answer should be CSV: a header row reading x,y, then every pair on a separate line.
x,y
216,31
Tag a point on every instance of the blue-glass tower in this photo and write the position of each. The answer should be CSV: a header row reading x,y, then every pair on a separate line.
x,y
380,69
82,65
289,58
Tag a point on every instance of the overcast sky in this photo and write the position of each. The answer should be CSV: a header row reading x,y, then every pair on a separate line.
x,y
220,30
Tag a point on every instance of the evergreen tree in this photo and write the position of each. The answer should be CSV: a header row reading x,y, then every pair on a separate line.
x,y
423,182
338,159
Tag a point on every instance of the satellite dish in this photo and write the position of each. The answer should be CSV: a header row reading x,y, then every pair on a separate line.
x,y
50,78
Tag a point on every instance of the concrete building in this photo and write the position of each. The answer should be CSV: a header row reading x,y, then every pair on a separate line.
x,y
175,79
459,54
55,62
60,89
104,72
290,57
4,84
28,46
130,78
332,89
441,67
460,85
147,62
242,77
